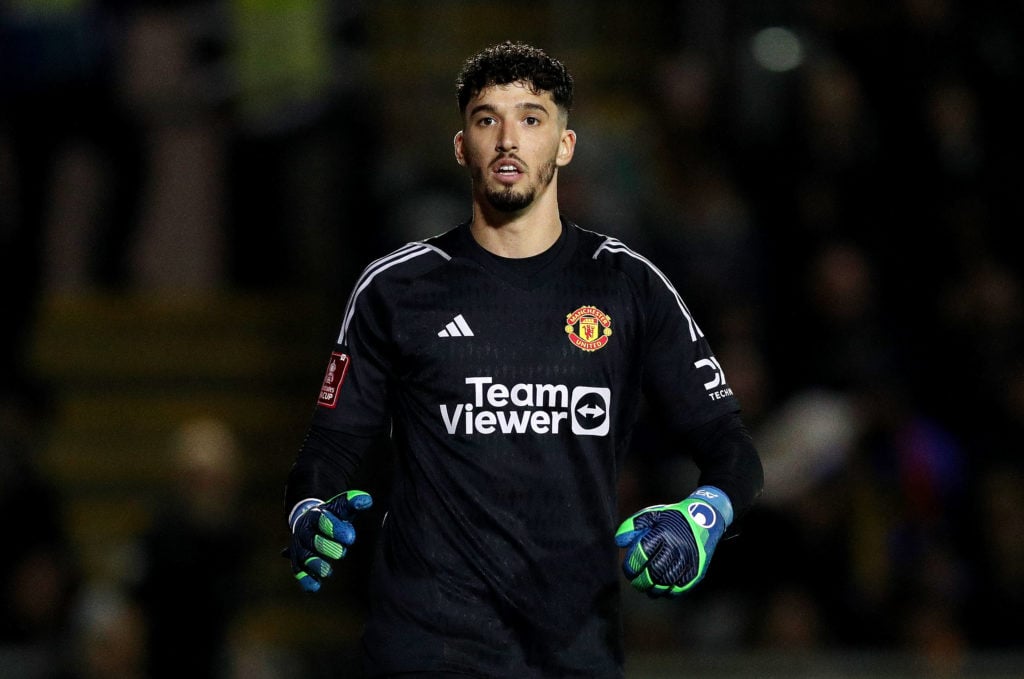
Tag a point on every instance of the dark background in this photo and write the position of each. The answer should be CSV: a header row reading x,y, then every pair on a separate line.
x,y
188,190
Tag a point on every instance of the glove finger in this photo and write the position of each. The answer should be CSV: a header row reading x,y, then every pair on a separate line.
x,y
307,567
339,530
626,538
670,568
635,526
307,582
329,548
664,591
635,561
349,503
645,518
317,567
673,555
642,582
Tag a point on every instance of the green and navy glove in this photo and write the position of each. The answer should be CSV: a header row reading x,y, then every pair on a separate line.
x,y
670,546
321,534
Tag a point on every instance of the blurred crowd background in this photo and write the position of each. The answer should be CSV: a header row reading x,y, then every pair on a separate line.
x,y
188,190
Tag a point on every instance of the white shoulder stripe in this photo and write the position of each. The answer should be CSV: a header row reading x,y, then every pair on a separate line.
x,y
615,245
402,254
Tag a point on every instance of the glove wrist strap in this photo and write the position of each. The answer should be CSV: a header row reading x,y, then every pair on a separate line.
x,y
300,508
717,499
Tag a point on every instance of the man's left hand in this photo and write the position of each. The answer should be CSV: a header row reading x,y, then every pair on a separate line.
x,y
669,547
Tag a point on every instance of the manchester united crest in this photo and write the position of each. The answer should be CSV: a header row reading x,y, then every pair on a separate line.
x,y
588,328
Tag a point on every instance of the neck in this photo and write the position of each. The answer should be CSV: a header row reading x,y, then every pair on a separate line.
x,y
516,235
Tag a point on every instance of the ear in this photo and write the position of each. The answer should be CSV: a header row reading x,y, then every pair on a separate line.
x,y
460,158
566,147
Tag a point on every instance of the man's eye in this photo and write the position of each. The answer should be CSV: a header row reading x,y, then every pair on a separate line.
x,y
531,120
486,121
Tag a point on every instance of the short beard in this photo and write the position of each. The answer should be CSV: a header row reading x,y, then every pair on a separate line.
x,y
509,200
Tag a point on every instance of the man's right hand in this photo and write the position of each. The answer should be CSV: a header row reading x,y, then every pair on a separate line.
x,y
321,534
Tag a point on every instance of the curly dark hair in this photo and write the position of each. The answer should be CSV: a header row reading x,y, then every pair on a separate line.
x,y
510,62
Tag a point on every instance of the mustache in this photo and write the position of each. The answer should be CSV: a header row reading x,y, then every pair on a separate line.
x,y
508,156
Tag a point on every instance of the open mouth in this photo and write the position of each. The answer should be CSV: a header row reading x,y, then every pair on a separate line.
x,y
506,170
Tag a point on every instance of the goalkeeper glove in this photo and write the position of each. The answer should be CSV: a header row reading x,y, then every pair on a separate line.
x,y
670,546
322,533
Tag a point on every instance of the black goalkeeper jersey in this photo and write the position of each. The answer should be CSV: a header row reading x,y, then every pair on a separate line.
x,y
510,393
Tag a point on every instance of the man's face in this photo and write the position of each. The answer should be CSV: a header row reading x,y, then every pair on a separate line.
x,y
512,143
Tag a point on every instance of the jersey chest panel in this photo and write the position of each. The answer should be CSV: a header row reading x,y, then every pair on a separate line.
x,y
488,357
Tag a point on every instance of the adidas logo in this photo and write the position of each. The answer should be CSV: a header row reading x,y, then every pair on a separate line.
x,y
456,328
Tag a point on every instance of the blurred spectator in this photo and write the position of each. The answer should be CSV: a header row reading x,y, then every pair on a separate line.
x,y
39,573
833,334
300,161
61,121
190,583
110,637
996,616
980,321
697,217
168,79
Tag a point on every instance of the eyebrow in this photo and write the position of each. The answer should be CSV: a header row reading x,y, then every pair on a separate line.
x,y
526,105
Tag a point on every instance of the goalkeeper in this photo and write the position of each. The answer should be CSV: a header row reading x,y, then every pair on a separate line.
x,y
507,359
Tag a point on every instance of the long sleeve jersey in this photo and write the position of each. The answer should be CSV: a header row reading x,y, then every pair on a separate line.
x,y
510,390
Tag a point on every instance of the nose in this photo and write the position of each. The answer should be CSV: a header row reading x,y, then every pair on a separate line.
x,y
507,141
